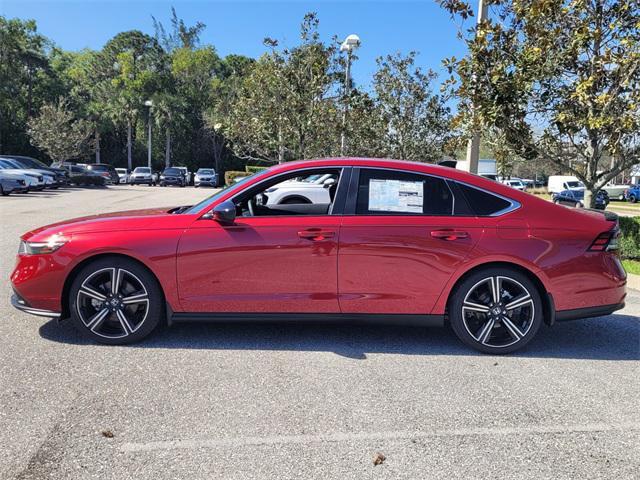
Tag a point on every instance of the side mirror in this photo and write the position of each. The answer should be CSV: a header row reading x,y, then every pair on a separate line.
x,y
224,212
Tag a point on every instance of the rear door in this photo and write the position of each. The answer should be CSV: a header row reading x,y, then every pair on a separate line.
x,y
400,242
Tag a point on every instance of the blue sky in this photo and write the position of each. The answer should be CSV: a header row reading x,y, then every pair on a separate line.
x,y
239,26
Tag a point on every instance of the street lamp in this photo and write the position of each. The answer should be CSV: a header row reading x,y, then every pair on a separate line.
x,y
349,45
149,104
473,147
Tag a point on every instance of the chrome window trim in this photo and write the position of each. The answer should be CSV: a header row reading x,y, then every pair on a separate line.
x,y
444,179
342,169
513,204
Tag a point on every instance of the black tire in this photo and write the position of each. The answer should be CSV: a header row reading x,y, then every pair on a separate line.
x,y
632,198
88,311
578,205
507,330
3,192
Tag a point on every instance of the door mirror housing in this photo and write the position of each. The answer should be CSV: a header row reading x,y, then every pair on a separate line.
x,y
224,212
329,182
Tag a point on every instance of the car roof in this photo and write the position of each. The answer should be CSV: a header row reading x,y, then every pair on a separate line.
x,y
427,168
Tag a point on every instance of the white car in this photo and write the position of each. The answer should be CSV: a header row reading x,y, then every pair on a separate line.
x,y
314,189
206,176
615,191
515,183
123,175
36,180
142,175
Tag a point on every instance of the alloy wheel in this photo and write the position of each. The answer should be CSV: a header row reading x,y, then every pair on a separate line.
x,y
498,311
112,303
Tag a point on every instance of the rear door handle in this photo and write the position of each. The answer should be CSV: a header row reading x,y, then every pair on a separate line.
x,y
449,234
316,234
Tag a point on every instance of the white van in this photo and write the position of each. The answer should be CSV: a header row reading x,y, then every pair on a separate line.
x,y
558,183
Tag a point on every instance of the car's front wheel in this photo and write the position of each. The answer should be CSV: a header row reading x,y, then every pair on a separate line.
x,y
115,301
496,310
632,198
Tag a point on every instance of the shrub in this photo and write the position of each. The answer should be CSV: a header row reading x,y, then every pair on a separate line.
x,y
630,239
254,168
230,175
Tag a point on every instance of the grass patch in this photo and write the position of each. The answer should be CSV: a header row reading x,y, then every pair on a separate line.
x,y
631,266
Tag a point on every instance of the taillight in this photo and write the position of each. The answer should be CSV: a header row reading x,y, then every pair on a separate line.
x,y
606,241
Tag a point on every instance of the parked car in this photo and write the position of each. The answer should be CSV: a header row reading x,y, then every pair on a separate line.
x,y
48,177
142,175
105,170
12,183
36,180
398,241
187,174
60,175
173,176
615,191
79,175
307,189
515,183
558,183
575,198
632,194
123,175
205,176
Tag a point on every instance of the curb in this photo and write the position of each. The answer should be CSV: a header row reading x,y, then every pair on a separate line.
x,y
633,281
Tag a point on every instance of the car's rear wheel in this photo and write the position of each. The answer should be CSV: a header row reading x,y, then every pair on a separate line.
x,y
632,198
115,301
496,310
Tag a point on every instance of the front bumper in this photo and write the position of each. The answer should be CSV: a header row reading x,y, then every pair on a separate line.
x,y
137,180
22,305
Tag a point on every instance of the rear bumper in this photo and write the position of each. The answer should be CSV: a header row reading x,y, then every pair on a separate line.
x,y
22,305
578,313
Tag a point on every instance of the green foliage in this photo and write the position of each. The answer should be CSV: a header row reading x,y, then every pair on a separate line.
x,y
630,239
631,266
254,168
231,175
207,110
56,132
559,80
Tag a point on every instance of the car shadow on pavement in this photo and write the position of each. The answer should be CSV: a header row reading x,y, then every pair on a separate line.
x,y
615,337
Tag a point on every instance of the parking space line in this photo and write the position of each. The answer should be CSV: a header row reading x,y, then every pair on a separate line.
x,y
132,447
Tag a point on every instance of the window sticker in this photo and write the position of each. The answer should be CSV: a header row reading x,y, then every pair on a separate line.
x,y
395,196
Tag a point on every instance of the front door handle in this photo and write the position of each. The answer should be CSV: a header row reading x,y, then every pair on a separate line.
x,y
316,234
449,234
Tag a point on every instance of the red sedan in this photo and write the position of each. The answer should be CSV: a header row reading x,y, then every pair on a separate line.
x,y
393,241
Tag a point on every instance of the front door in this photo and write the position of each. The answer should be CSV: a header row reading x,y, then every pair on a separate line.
x,y
275,258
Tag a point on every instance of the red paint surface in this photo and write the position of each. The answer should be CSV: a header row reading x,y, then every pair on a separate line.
x,y
350,264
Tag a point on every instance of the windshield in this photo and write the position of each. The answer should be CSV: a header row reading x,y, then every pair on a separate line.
x,y
205,171
209,200
98,168
575,184
142,170
172,171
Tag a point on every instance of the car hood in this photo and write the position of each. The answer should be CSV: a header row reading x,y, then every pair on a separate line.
x,y
147,219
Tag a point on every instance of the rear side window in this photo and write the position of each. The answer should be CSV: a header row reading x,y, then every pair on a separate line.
x,y
483,203
384,192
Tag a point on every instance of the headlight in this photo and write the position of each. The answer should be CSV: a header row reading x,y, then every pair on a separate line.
x,y
40,248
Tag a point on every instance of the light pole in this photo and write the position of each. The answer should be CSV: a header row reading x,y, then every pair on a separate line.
x,y
149,104
473,147
349,45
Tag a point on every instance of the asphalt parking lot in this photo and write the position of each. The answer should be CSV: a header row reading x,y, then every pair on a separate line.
x,y
304,401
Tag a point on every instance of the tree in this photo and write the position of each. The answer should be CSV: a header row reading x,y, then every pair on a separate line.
x,y
559,79
24,68
284,109
417,123
58,133
180,36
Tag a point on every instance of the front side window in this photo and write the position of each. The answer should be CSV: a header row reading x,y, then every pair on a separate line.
x,y
291,195
386,192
